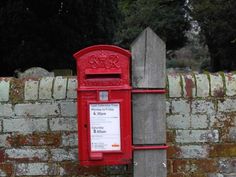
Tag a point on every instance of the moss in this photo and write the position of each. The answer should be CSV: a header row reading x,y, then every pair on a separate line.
x,y
181,85
167,88
195,82
209,80
224,82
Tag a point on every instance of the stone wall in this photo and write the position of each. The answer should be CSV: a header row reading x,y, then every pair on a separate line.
x,y
201,122
38,128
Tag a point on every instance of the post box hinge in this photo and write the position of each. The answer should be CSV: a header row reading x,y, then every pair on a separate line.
x,y
151,91
150,147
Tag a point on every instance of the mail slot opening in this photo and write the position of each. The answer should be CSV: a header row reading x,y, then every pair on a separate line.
x,y
103,76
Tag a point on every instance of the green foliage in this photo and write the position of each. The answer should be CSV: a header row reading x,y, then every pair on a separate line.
x,y
166,17
217,21
47,33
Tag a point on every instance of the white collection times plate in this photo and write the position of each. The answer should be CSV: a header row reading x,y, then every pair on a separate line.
x,y
105,127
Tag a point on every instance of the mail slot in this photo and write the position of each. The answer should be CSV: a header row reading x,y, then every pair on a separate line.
x,y
104,105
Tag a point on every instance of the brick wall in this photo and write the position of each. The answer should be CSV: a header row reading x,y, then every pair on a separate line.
x,y
201,122
38,129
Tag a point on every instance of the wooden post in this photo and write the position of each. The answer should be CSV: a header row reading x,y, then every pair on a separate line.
x,y
149,127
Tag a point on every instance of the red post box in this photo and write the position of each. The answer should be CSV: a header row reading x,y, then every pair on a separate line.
x,y
104,105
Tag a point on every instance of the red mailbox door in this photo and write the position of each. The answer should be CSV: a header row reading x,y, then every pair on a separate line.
x,y
104,105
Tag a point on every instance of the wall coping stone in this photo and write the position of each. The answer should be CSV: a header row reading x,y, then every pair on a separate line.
x,y
190,85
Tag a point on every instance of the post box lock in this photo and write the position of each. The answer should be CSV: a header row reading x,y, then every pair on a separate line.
x,y
103,95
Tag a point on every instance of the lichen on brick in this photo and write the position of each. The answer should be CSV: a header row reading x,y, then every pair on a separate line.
x,y
223,150
17,90
189,85
35,139
6,169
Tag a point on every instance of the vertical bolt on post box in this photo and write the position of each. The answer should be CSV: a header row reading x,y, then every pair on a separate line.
x,y
104,105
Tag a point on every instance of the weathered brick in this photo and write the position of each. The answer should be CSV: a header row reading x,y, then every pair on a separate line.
x,y
217,86
178,122
68,109
189,86
63,124
180,166
31,90
193,166
72,88
170,136
59,88
3,140
25,125
175,89
6,169
188,151
34,169
69,169
73,168
195,174
17,90
169,166
26,154
37,109
4,89
59,155
180,106
70,139
230,175
229,105
173,152
177,175
193,151
230,83
199,121
215,175
219,119
2,155
203,86
45,88
198,174
118,169
232,134
203,106
193,136
223,150
6,110
227,165
35,139
167,107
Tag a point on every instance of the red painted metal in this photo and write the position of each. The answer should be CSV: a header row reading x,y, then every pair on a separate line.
x,y
150,147
157,91
104,68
